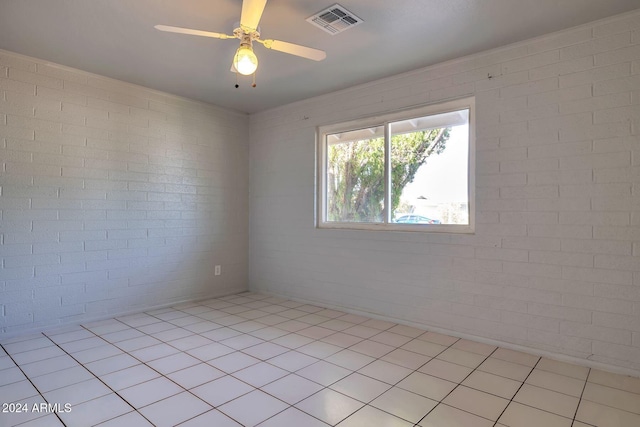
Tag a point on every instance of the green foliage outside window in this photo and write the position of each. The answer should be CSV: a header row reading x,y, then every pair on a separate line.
x,y
355,173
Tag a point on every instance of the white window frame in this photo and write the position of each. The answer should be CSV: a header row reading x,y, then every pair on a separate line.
x,y
385,120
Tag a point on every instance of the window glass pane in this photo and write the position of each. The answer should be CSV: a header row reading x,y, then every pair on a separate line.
x,y
355,176
429,169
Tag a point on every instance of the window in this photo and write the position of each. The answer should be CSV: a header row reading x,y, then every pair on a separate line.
x,y
410,170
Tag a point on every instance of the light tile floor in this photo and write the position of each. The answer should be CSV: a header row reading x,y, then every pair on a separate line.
x,y
255,360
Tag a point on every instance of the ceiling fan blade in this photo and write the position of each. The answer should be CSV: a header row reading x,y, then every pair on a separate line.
x,y
294,49
191,32
251,13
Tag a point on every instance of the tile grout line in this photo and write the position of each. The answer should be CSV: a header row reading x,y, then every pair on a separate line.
x,y
29,379
457,385
96,377
575,414
514,394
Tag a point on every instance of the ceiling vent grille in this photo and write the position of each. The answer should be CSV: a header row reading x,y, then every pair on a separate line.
x,y
334,19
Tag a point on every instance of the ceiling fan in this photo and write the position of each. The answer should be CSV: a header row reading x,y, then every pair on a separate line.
x,y
245,61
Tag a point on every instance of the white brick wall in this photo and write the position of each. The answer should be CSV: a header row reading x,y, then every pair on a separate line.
x,y
113,197
555,264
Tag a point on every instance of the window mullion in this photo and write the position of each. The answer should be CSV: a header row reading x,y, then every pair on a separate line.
x,y
387,173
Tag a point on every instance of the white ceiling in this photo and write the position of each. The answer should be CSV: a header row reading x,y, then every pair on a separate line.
x,y
116,38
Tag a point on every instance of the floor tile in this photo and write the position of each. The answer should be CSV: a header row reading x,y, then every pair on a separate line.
x,y
371,348
16,418
350,359
62,378
96,353
427,386
221,390
265,350
292,388
37,355
518,415
269,333
213,418
48,366
316,332
174,409
173,363
292,361
461,357
218,335
111,364
174,334
602,415
563,368
329,406
476,402
122,335
27,345
436,338
424,347
613,397
292,341
493,384
75,335
95,411
621,382
385,371
46,421
323,373
154,352
361,331
132,419
516,357
292,326
262,407
446,370
292,417
444,415
248,351
149,392
272,319
241,341
17,391
390,338
137,343
369,416
556,382
404,404
233,362
260,374
106,327
337,324
407,359
547,400
210,351
505,369
190,342
83,344
360,387
195,375
129,376
319,349
378,324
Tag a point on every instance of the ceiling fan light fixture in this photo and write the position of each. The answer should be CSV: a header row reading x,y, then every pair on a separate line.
x,y
245,61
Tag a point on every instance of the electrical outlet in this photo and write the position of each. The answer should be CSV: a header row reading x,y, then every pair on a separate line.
x,y
218,270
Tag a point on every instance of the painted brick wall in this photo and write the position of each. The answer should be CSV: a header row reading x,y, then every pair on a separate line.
x,y
113,197
554,264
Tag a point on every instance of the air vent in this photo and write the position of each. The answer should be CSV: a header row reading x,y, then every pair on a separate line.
x,y
334,19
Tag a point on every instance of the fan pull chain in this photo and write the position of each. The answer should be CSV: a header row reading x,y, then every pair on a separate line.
x,y
254,80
